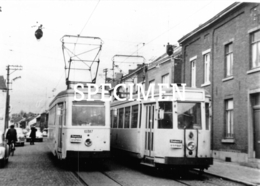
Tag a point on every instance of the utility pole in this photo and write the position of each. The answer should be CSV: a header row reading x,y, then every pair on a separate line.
x,y
105,71
10,69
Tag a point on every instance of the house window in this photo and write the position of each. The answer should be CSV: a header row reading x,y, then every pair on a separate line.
x,y
229,60
229,118
206,62
193,73
165,79
255,49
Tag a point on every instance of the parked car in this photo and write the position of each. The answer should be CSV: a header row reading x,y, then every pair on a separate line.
x,y
39,136
4,151
20,136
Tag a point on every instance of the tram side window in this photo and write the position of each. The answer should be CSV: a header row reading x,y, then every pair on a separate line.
x,y
111,118
166,122
127,117
207,115
114,116
52,116
189,115
121,118
140,116
134,116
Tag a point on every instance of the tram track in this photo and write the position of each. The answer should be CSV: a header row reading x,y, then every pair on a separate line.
x,y
112,176
197,178
96,178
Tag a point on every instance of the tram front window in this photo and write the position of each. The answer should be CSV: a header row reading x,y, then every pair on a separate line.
x,y
166,122
189,115
88,115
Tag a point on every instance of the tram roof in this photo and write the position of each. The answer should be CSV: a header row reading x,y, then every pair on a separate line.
x,y
70,92
169,92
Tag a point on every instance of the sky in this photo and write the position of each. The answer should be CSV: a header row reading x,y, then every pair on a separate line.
x,y
126,27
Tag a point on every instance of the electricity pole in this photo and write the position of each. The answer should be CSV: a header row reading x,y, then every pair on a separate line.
x,y
105,71
9,68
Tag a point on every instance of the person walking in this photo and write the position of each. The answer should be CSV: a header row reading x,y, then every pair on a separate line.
x,y
11,136
33,135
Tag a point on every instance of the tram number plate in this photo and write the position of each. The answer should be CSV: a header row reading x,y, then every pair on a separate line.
x,y
176,144
88,131
75,138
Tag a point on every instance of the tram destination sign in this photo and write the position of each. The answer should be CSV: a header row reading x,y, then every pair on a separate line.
x,y
176,144
75,138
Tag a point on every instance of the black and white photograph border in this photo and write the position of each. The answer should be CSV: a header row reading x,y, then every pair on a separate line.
x,y
127,92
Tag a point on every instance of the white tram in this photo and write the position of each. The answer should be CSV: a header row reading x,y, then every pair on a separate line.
x,y
79,129
164,133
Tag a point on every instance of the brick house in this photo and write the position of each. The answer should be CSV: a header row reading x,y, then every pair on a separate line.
x,y
135,76
164,69
223,56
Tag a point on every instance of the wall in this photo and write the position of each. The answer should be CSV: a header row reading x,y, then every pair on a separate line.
x,y
235,27
2,109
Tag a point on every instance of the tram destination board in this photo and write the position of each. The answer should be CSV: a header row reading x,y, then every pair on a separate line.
x,y
75,138
177,144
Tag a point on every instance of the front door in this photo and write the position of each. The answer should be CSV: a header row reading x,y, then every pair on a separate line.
x,y
256,118
149,130
255,98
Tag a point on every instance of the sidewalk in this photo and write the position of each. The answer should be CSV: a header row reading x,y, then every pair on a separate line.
x,y
234,171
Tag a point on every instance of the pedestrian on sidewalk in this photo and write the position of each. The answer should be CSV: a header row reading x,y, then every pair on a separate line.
x,y
33,135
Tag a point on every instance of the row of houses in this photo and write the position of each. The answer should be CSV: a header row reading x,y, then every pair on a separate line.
x,y
38,120
222,56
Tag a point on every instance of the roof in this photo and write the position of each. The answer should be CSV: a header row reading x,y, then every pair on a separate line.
x,y
210,21
134,71
2,83
34,120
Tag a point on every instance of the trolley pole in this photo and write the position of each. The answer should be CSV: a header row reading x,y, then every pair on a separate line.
x,y
9,68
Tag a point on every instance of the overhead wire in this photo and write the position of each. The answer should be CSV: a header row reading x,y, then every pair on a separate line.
x,y
147,43
89,17
84,28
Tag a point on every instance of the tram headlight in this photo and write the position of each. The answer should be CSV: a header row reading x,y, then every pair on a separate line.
x,y
191,145
191,135
88,142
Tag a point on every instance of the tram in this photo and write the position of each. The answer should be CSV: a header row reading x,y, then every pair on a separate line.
x,y
79,129
164,133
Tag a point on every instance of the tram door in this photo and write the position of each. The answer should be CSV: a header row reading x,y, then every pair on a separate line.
x,y
60,120
149,130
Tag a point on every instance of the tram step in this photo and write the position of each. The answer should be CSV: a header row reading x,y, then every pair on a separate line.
x,y
149,161
148,164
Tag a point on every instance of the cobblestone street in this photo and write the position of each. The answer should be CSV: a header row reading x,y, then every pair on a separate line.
x,y
34,165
